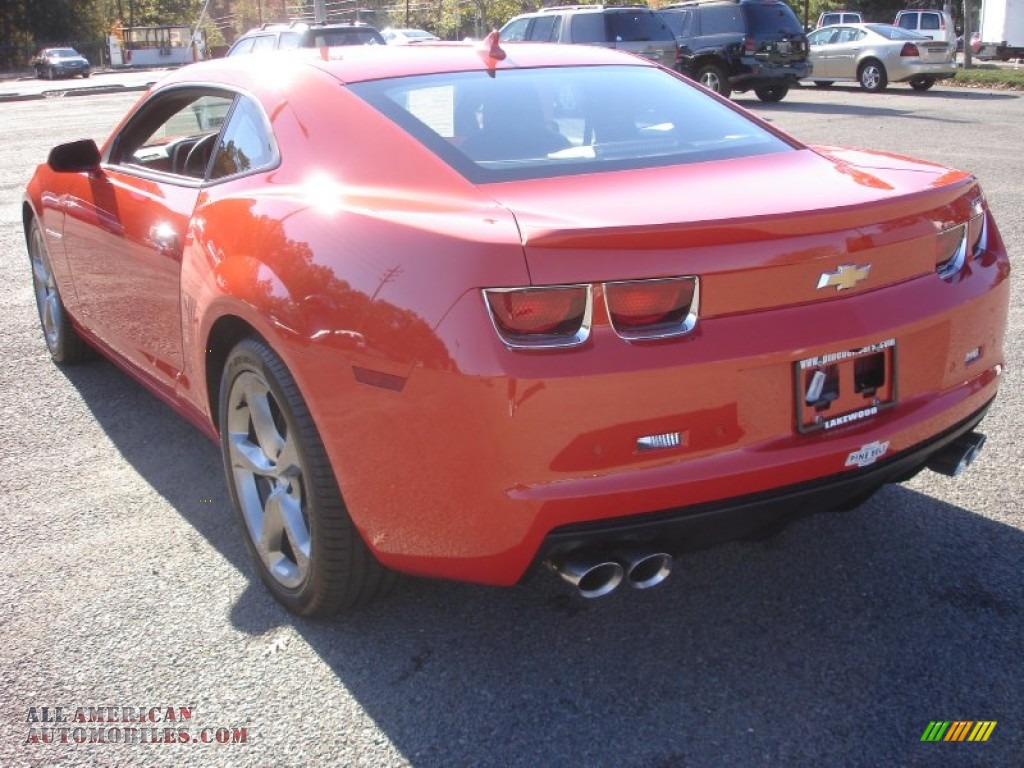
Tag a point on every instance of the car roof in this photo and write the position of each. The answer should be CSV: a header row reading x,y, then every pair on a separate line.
x,y
351,64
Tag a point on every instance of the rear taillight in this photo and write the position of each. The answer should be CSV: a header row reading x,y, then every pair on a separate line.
x,y
556,316
749,45
909,49
652,309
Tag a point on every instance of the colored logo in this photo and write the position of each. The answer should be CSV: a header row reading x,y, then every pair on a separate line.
x,y
868,454
845,277
958,730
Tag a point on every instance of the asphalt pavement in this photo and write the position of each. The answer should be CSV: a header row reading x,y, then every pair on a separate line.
x,y
125,589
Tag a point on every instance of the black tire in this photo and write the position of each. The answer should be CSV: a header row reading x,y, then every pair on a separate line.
x,y
872,76
62,340
771,93
824,83
313,559
713,77
86,74
922,83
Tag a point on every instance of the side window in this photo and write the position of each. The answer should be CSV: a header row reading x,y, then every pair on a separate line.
x,y
244,46
821,37
245,143
588,28
929,21
680,22
515,31
721,19
542,27
289,41
908,21
846,35
173,132
636,26
264,43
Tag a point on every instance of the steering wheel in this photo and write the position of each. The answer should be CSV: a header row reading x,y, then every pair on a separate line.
x,y
199,157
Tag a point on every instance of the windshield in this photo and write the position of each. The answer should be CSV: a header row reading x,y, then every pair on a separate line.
x,y
533,123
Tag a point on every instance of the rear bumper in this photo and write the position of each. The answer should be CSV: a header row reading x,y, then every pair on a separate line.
x,y
753,72
910,71
704,525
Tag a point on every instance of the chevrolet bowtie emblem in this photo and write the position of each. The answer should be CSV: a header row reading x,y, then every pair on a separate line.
x,y
845,277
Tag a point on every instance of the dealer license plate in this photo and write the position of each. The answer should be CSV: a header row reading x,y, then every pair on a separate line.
x,y
844,387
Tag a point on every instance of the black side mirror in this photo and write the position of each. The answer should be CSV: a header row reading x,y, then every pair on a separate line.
x,y
75,157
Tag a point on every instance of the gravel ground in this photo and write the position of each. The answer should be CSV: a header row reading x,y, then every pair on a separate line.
x,y
125,583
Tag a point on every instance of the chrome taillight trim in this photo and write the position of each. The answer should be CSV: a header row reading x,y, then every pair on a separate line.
x,y
545,342
688,323
951,266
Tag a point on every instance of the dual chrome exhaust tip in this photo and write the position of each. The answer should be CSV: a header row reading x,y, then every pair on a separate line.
x,y
958,455
596,574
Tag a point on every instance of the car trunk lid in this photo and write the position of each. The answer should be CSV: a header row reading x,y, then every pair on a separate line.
x,y
755,242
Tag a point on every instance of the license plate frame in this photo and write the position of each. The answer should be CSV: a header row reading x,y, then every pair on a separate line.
x,y
844,387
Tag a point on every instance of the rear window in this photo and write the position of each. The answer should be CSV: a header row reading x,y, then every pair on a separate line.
x,y
337,37
894,33
772,19
557,121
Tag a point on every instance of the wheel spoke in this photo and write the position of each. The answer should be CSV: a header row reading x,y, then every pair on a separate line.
x,y
39,271
248,456
288,460
298,534
51,312
263,425
283,518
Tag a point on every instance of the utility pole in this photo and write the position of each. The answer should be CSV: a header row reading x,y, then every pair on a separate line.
x,y
968,29
319,12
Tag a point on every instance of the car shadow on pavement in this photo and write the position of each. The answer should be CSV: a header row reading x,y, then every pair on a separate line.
x,y
836,642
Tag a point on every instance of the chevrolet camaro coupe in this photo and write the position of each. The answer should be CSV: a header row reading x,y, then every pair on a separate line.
x,y
463,310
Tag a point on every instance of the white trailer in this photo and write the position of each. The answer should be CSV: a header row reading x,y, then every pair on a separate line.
x,y
1001,30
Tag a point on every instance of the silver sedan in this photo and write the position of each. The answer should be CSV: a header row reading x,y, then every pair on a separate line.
x,y
878,54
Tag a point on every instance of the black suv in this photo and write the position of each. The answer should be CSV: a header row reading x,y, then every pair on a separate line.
x,y
637,29
739,45
283,37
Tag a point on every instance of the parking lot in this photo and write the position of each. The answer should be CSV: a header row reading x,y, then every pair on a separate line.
x,y
126,585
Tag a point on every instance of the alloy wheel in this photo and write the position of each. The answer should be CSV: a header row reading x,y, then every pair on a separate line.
x,y
268,476
47,298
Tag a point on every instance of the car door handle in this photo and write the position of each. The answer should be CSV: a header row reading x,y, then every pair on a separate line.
x,y
165,240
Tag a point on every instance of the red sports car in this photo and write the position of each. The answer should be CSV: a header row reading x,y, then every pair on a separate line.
x,y
456,310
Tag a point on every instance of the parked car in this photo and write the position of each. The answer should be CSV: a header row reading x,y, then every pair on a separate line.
x,y
284,37
735,46
60,62
828,18
472,309
875,55
394,36
638,30
936,25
